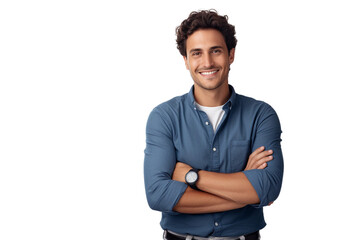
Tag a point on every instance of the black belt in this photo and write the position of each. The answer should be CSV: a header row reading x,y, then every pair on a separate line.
x,y
174,236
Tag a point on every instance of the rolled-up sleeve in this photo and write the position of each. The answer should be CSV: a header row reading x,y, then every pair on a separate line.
x,y
160,159
267,182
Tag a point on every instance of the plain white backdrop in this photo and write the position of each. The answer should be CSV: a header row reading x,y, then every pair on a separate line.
x,y
79,78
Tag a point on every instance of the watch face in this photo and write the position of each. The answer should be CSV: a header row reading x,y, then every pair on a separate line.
x,y
191,177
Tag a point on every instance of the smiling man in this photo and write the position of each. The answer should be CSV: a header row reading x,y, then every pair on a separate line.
x,y
213,157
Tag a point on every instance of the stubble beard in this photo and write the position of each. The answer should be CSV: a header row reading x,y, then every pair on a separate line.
x,y
219,84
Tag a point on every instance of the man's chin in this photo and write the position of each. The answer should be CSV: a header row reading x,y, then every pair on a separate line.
x,y
210,86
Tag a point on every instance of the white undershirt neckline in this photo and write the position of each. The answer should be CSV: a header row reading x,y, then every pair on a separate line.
x,y
215,114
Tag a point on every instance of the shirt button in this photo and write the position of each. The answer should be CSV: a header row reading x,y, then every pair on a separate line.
x,y
207,123
214,149
216,224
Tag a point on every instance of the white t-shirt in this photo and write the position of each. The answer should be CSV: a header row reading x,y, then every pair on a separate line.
x,y
215,114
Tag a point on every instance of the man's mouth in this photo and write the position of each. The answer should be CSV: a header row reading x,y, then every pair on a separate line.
x,y
208,73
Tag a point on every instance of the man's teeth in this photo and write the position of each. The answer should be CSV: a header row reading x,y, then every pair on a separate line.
x,y
208,73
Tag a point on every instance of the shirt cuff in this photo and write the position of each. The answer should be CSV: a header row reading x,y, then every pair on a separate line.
x,y
255,178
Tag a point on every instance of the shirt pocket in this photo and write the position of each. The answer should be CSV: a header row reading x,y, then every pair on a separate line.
x,y
239,154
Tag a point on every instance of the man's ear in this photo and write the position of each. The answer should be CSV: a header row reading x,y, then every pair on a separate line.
x,y
232,55
186,62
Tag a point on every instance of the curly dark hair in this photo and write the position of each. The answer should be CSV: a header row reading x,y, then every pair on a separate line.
x,y
205,19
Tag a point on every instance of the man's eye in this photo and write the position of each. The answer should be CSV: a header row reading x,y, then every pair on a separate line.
x,y
216,51
196,53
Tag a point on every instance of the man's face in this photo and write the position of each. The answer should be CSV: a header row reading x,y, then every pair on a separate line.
x,y
208,59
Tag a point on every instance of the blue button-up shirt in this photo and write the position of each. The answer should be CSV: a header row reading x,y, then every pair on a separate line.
x,y
177,131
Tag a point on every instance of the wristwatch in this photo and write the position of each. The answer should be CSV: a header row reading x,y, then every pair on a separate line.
x,y
192,177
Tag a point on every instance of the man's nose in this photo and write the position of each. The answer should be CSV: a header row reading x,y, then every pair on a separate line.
x,y
208,60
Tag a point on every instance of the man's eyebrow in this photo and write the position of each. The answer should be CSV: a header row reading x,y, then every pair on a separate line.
x,y
195,50
199,49
215,47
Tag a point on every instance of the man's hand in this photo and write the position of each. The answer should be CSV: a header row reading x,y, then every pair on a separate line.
x,y
180,171
259,158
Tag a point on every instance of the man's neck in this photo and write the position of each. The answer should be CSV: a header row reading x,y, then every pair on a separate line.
x,y
212,98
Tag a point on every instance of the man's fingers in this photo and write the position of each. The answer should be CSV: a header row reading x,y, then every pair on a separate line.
x,y
262,166
262,163
259,164
257,151
264,154
261,155
258,158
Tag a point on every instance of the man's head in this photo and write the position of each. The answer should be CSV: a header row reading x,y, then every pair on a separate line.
x,y
206,19
207,42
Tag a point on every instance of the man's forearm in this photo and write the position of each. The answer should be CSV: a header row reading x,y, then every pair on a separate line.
x,y
197,202
234,187
231,186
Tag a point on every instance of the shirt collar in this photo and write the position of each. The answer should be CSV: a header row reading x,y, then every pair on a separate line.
x,y
228,105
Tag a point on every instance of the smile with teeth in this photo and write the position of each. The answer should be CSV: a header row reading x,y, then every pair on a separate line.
x,y
208,73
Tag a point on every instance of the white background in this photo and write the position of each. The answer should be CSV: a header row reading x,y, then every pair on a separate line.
x,y
79,78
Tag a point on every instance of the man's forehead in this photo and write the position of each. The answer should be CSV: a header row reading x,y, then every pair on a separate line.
x,y
205,39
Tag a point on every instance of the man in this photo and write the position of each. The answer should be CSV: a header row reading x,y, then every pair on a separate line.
x,y
213,158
